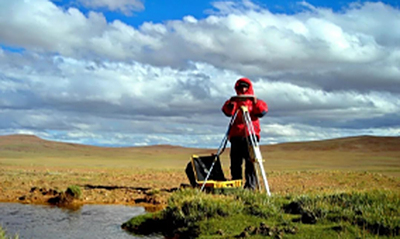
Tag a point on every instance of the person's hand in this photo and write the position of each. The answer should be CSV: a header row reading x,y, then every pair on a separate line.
x,y
232,102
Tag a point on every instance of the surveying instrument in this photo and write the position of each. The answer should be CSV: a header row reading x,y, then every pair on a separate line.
x,y
253,149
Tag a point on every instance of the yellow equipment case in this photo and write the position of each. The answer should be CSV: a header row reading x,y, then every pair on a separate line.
x,y
198,168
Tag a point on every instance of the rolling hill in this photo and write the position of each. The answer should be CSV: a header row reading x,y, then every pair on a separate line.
x,y
366,153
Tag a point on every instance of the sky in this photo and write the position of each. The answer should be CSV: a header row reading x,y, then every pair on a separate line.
x,y
146,72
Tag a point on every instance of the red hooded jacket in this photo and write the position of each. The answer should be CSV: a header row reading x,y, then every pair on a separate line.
x,y
256,109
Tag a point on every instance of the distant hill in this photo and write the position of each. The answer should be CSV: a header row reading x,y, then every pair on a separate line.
x,y
33,146
362,153
23,139
359,143
354,144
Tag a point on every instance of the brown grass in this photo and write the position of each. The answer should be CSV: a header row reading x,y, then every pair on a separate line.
x,y
357,163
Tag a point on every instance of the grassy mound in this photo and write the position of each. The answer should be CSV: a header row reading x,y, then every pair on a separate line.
x,y
242,213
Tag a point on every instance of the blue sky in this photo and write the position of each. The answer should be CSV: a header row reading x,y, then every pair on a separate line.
x,y
131,72
158,11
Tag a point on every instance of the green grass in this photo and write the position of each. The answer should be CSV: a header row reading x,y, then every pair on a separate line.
x,y
3,234
75,191
241,212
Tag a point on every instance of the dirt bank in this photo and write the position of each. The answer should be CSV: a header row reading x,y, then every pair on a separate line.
x,y
38,186
152,188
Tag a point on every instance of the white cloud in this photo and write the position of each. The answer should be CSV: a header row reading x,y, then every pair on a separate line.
x,y
87,97
277,133
263,42
81,78
43,27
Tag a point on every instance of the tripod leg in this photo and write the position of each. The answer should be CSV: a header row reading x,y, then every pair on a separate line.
x,y
263,174
257,177
255,153
220,150
255,165
265,179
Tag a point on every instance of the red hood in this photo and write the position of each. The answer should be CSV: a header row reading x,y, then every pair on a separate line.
x,y
249,91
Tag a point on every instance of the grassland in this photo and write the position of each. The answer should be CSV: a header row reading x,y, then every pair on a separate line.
x,y
340,164
242,213
32,169
365,153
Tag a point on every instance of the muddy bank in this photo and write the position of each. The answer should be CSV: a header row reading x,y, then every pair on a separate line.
x,y
150,189
151,199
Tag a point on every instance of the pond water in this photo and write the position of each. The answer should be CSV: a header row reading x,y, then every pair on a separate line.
x,y
89,221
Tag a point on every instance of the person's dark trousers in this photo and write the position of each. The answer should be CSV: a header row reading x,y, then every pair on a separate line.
x,y
240,152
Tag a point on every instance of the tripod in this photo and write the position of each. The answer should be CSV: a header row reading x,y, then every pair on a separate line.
x,y
253,147
254,150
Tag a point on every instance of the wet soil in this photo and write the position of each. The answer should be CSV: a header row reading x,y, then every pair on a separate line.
x,y
43,186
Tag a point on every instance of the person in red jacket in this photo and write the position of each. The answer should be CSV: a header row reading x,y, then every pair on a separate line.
x,y
237,133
